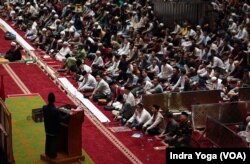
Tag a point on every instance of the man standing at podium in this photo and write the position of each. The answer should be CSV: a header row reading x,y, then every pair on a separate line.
x,y
52,119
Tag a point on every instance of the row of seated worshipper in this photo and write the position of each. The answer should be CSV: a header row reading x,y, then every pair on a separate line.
x,y
182,60
127,107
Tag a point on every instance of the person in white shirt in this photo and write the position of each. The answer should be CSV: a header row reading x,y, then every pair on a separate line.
x,y
155,125
232,25
98,61
125,47
179,86
60,56
30,9
113,68
248,125
153,68
216,62
140,117
88,83
202,72
166,70
216,84
130,98
177,28
242,33
147,85
31,34
102,89
229,67
190,33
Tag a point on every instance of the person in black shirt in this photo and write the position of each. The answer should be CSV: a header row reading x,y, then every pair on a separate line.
x,y
52,119
13,53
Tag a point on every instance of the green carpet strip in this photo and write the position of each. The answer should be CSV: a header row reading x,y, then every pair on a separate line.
x,y
28,136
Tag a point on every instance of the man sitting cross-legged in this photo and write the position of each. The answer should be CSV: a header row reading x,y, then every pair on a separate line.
x,y
102,89
88,82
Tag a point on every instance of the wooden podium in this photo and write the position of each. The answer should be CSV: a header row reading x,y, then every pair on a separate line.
x,y
70,139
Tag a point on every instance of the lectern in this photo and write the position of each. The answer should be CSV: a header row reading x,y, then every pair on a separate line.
x,y
70,139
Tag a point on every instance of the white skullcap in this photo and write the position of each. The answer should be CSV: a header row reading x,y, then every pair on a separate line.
x,y
98,52
231,20
198,26
72,22
236,62
62,33
87,4
13,43
65,43
12,12
44,29
96,23
20,18
45,8
28,3
53,11
56,16
170,44
60,41
161,24
233,14
214,78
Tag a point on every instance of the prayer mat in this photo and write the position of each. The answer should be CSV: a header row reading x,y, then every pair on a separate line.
x,y
120,129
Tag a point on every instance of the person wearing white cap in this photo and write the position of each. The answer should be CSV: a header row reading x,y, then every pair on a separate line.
x,y
55,24
72,26
232,26
12,14
14,53
30,10
216,84
98,61
125,47
134,18
31,33
65,50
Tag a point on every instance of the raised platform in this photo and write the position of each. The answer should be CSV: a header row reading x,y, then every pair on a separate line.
x,y
62,158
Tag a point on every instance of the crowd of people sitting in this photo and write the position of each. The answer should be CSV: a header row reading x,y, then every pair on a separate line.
x,y
132,53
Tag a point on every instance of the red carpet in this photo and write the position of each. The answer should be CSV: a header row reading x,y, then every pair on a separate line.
x,y
10,86
5,44
37,82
